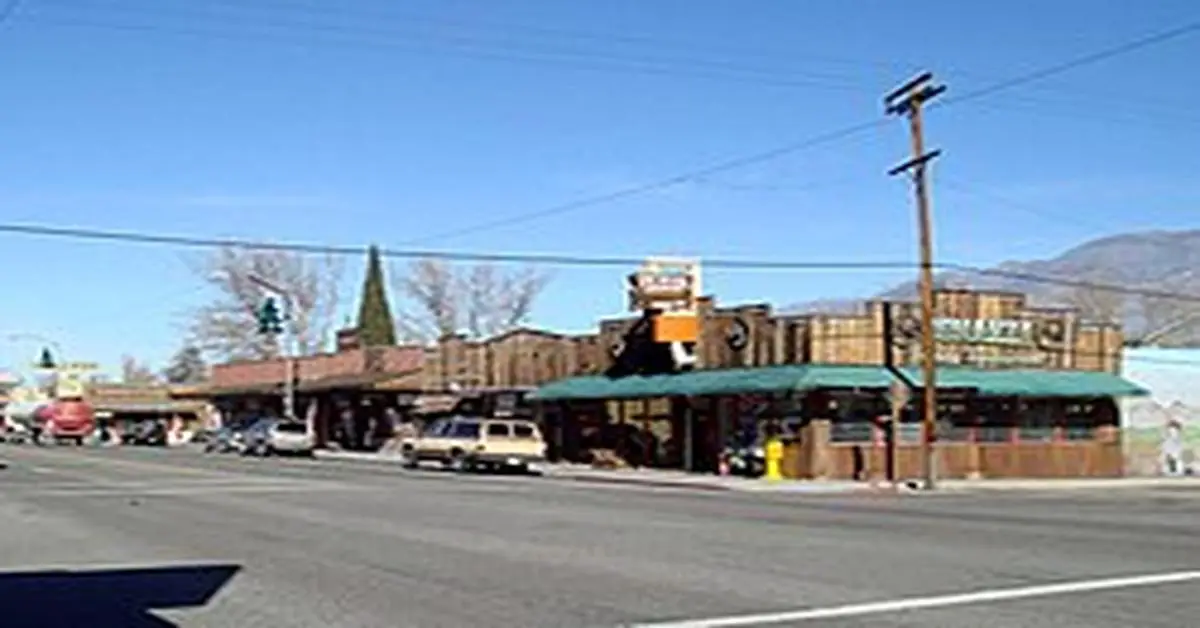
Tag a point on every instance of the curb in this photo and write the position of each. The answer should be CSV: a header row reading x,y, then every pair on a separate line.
x,y
712,488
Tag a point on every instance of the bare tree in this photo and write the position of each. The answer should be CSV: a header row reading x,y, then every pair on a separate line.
x,y
227,328
135,372
479,301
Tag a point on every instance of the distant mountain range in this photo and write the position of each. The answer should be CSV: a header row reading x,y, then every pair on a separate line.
x,y
1163,261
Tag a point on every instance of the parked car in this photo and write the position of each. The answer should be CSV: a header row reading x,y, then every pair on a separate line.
x,y
223,441
150,433
289,437
474,443
277,436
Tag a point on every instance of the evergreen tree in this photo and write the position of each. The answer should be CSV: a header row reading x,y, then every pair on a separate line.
x,y
187,366
375,324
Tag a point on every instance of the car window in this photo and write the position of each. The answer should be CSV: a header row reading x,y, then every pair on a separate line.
x,y
523,431
291,428
498,429
465,429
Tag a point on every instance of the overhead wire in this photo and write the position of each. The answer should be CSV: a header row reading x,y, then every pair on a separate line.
x,y
201,23
670,181
767,155
139,237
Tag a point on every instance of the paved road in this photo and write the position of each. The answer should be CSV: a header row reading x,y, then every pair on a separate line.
x,y
272,543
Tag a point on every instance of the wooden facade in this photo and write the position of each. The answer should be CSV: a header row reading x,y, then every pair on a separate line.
x,y
987,330
740,336
752,335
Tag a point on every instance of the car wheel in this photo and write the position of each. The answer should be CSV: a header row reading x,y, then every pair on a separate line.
x,y
458,461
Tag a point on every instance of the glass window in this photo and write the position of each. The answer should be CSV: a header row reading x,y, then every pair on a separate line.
x,y
291,428
498,429
523,431
464,429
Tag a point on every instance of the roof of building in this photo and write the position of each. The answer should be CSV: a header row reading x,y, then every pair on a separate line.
x,y
805,377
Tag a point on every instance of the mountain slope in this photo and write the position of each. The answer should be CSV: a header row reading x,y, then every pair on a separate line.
x,y
1166,261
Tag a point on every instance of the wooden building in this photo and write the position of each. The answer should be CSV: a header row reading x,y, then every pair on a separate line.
x,y
1011,377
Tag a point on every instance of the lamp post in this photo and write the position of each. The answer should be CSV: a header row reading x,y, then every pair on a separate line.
x,y
288,348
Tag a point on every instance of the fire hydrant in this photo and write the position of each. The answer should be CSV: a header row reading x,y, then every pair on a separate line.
x,y
773,458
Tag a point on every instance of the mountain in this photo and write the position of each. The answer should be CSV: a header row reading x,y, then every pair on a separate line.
x,y
1163,261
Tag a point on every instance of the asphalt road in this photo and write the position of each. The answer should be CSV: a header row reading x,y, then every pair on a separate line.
x,y
97,537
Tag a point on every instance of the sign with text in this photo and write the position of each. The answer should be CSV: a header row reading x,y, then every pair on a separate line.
x,y
71,378
665,284
985,331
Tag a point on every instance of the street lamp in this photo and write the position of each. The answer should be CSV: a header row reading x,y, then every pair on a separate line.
x,y
273,326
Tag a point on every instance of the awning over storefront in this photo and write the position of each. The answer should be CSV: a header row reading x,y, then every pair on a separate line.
x,y
805,377
768,379
1033,382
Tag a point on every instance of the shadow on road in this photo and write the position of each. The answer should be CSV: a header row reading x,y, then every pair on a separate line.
x,y
103,598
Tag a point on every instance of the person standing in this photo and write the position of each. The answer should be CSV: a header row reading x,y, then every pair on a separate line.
x,y
1172,449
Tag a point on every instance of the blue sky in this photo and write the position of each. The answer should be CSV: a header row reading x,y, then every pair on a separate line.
x,y
358,121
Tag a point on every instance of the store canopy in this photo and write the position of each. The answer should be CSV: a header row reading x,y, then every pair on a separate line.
x,y
767,379
805,377
1033,382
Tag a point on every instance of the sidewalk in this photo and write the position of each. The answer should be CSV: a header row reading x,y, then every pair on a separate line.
x,y
697,481
1069,484
706,482
359,456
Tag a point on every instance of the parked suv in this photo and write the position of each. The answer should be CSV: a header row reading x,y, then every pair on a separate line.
x,y
471,443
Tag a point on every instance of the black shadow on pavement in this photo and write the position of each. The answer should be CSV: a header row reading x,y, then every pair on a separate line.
x,y
103,598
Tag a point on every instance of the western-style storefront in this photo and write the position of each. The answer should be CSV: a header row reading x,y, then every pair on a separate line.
x,y
1022,392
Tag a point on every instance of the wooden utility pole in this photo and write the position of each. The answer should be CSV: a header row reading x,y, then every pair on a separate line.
x,y
908,100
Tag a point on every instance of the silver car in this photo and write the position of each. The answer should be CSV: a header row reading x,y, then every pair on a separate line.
x,y
277,436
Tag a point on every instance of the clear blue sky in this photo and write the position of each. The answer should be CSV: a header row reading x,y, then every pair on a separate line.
x,y
356,122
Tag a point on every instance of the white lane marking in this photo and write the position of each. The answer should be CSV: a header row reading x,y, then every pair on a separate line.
x,y
179,491
937,601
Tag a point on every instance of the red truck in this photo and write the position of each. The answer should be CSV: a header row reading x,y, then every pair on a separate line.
x,y
68,420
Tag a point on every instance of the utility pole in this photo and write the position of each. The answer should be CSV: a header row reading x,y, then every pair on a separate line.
x,y
908,100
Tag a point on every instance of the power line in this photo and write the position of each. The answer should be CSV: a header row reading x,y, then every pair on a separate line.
x,y
136,237
375,17
1077,62
207,24
1071,283
731,164
656,185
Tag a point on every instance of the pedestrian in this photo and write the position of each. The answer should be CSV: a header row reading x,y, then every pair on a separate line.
x,y
1172,449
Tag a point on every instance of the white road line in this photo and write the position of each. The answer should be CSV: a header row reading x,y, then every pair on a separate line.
x,y
170,491
937,601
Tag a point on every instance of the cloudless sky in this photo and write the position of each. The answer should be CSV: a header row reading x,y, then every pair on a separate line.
x,y
373,121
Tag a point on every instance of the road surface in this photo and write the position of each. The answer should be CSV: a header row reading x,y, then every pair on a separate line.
x,y
142,537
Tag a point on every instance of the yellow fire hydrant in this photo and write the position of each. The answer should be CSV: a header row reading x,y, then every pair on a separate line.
x,y
773,455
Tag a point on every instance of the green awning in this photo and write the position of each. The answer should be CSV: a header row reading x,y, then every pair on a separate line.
x,y
767,379
1033,382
